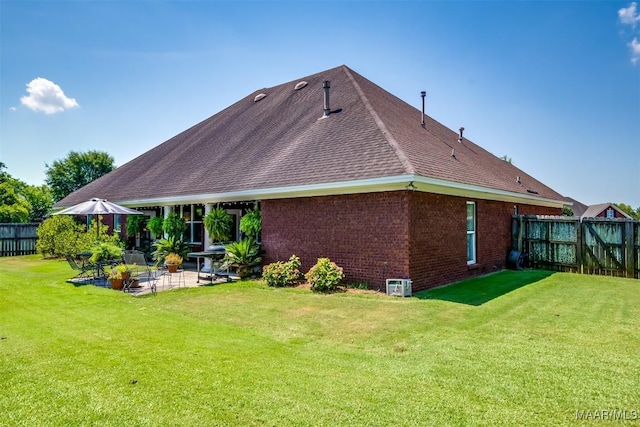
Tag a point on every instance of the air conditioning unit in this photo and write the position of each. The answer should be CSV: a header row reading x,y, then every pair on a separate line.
x,y
399,287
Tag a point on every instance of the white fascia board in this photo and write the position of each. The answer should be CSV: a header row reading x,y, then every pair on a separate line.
x,y
439,186
390,183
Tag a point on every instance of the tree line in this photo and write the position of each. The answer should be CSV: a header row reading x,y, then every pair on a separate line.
x,y
21,202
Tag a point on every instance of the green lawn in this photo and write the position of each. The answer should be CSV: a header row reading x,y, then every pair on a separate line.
x,y
513,348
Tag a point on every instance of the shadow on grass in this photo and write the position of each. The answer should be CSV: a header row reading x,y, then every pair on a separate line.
x,y
480,290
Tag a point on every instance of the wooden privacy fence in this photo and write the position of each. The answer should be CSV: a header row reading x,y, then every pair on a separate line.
x,y
18,239
589,246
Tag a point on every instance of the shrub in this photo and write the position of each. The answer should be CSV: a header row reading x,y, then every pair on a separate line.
x,y
59,235
325,276
282,273
105,252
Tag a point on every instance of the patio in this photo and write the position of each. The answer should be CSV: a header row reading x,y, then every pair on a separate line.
x,y
187,278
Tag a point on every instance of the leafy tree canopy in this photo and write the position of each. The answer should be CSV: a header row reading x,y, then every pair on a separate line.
x,y
634,213
76,170
20,202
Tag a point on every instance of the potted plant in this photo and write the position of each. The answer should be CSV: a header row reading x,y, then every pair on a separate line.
x,y
116,279
173,261
244,255
251,223
124,271
218,224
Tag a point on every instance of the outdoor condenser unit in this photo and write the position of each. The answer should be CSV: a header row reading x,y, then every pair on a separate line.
x,y
399,287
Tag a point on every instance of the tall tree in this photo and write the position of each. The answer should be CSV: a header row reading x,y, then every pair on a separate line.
x,y
20,202
77,170
41,201
13,206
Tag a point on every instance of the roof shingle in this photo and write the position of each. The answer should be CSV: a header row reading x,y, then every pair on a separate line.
x,y
278,141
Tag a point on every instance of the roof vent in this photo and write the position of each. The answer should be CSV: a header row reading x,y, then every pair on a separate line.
x,y
453,153
423,94
300,85
326,85
532,191
259,97
460,137
518,180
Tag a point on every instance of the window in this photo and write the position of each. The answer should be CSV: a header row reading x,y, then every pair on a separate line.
x,y
471,233
192,215
610,213
117,223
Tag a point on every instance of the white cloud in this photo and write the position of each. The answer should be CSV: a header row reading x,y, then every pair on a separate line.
x,y
46,96
629,15
12,108
635,50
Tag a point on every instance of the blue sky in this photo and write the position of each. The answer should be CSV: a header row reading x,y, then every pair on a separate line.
x,y
553,85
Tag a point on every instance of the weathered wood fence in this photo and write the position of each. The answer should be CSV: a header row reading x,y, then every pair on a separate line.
x,y
18,239
588,246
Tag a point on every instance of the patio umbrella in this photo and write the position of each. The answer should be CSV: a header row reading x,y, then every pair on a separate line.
x,y
97,207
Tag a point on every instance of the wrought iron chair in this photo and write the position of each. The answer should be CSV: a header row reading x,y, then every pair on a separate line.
x,y
85,269
137,263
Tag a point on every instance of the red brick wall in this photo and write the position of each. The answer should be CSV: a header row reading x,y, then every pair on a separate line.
x,y
438,248
398,234
366,234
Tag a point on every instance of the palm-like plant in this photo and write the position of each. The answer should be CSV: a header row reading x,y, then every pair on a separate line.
x,y
243,253
164,247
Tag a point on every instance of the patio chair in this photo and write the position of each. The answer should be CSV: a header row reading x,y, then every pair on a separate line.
x,y
85,270
137,263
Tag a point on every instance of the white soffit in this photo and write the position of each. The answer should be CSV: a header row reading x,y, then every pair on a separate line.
x,y
393,183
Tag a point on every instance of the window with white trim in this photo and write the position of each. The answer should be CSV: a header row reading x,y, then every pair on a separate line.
x,y
192,215
611,213
471,233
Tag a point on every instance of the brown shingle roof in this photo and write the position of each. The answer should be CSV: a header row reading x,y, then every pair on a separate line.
x,y
279,142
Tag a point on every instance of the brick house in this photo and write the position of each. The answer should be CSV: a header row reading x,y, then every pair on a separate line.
x,y
342,169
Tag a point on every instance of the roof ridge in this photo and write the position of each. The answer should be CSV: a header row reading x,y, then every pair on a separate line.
x,y
402,157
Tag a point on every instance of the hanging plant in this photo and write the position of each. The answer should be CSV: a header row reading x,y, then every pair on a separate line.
x,y
135,224
251,224
154,225
218,224
174,225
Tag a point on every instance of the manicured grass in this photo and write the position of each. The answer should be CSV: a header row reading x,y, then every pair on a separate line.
x,y
514,348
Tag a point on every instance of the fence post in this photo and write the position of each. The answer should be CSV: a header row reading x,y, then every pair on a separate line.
x,y
629,248
579,244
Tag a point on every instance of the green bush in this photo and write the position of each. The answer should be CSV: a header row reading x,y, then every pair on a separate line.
x,y
105,251
60,235
325,276
282,273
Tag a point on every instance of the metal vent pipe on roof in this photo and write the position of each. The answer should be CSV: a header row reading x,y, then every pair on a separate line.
x,y
326,85
423,94
460,137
